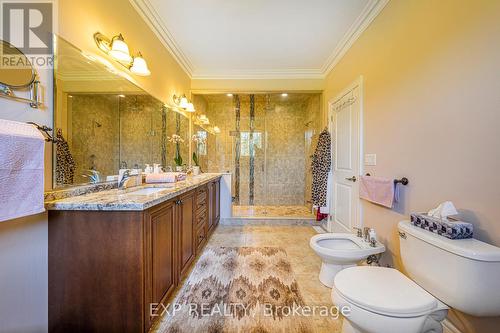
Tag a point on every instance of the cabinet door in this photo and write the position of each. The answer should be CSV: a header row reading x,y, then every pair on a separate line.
x,y
217,201
211,205
187,231
214,205
163,252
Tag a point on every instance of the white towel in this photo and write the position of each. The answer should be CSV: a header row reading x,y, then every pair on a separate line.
x,y
21,170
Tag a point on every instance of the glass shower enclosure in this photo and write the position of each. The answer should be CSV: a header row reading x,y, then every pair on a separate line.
x,y
265,141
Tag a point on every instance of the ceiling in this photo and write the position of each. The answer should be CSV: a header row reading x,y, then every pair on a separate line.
x,y
258,38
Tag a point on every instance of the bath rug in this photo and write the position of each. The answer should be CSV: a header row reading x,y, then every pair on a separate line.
x,y
238,289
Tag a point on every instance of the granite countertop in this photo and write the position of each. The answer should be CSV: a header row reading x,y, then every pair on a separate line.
x,y
126,200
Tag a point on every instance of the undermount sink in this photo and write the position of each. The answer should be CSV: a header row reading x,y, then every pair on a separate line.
x,y
148,190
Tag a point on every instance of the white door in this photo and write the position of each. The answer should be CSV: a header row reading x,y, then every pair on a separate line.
x,y
345,120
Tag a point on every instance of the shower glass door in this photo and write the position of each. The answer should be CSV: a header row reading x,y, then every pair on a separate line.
x,y
249,153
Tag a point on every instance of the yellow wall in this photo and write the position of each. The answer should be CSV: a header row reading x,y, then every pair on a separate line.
x,y
431,71
79,20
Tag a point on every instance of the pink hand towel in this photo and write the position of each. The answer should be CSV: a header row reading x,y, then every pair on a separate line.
x,y
377,190
168,177
21,170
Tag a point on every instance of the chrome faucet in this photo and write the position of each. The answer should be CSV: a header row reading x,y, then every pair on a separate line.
x,y
122,183
366,234
359,232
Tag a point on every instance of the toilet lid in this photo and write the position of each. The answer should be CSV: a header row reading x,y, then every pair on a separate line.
x,y
383,290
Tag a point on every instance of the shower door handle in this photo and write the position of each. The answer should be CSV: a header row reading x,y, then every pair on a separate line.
x,y
351,179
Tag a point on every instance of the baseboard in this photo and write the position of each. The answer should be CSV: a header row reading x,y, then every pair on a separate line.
x,y
448,327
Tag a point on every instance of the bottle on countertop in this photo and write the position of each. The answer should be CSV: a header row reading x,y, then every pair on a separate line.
x,y
157,168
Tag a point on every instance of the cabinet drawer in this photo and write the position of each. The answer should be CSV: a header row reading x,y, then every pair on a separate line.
x,y
201,217
201,236
201,200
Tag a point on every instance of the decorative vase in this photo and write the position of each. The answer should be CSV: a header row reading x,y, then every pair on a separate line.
x,y
179,168
196,170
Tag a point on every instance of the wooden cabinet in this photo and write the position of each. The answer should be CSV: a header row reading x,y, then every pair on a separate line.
x,y
106,268
201,216
161,254
214,205
187,231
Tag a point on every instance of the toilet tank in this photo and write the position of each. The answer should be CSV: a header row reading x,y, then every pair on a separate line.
x,y
463,273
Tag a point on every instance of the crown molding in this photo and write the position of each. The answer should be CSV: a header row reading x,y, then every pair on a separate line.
x,y
153,19
155,23
296,73
369,13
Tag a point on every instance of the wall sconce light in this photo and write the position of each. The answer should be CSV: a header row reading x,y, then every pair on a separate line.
x,y
216,130
203,119
190,107
184,103
118,50
139,66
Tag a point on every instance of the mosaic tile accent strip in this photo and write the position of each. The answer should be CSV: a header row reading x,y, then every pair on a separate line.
x,y
237,140
163,136
252,152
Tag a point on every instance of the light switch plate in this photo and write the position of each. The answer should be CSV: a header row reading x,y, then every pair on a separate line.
x,y
371,159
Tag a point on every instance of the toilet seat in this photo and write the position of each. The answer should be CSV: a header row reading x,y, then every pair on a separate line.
x,y
384,291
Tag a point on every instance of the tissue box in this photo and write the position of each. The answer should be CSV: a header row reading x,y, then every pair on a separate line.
x,y
452,229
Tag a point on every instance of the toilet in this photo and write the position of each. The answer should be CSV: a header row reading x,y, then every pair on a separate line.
x,y
443,273
339,251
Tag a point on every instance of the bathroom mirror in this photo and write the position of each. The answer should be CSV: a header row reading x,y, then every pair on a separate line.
x,y
16,70
105,122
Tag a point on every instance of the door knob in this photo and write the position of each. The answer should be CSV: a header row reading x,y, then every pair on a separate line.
x,y
351,179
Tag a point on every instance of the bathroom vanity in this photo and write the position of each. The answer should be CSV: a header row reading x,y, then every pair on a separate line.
x,y
115,255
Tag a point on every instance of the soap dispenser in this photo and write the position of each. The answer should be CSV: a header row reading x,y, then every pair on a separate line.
x,y
157,168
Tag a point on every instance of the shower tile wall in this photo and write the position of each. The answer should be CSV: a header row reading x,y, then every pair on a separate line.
x,y
94,129
140,131
280,172
106,131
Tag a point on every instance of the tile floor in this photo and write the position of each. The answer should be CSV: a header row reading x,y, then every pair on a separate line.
x,y
282,212
305,263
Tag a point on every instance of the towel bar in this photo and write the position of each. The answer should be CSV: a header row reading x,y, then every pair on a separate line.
x,y
402,181
45,131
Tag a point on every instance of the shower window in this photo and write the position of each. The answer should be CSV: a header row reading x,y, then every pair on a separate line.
x,y
202,144
246,142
